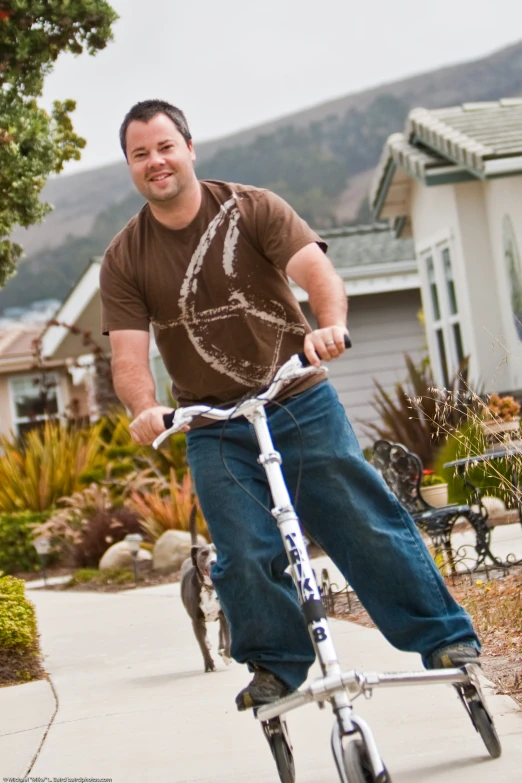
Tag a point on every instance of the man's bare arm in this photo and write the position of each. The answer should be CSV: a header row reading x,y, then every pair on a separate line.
x,y
134,384
313,272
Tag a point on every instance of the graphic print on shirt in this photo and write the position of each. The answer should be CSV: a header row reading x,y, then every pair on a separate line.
x,y
200,324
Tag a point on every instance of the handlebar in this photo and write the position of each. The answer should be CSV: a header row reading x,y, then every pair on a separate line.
x,y
297,366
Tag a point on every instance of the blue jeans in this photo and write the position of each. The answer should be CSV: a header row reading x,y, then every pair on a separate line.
x,y
347,509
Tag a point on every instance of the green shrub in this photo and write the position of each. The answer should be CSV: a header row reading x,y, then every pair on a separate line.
x,y
82,576
492,477
111,576
17,615
17,552
432,480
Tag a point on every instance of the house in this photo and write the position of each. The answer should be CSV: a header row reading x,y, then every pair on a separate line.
x,y
452,180
21,383
380,276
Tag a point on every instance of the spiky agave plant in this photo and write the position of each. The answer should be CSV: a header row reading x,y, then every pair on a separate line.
x,y
168,506
48,465
419,415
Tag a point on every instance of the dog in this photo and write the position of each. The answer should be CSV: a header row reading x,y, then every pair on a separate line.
x,y
199,598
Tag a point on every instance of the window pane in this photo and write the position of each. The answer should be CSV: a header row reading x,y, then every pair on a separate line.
x,y
442,356
450,283
457,337
162,380
433,288
39,405
30,399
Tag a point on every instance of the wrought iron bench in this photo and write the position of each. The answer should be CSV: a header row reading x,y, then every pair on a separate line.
x,y
402,472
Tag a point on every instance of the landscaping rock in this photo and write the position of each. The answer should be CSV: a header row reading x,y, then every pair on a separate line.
x,y
118,556
171,549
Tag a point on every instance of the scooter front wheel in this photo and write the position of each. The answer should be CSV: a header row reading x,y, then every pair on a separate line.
x,y
357,765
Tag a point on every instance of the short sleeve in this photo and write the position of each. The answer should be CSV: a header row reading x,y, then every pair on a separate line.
x,y
281,233
122,305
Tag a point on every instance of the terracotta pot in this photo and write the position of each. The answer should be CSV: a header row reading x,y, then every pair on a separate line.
x,y
436,495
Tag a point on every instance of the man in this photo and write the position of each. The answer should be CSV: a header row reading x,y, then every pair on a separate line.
x,y
206,263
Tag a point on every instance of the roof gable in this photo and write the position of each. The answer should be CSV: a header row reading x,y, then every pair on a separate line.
x,y
484,138
441,146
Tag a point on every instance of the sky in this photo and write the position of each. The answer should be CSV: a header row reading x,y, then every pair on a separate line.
x,y
234,64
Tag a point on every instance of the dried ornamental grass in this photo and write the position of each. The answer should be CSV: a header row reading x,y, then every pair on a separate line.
x,y
87,525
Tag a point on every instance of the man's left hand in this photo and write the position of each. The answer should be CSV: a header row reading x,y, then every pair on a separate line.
x,y
325,344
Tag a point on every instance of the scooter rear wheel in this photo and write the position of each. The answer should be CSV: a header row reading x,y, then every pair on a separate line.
x,y
486,728
357,765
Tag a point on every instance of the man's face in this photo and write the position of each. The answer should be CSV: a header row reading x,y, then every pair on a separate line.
x,y
159,158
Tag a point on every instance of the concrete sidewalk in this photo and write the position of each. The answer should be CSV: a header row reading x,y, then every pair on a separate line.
x,y
134,706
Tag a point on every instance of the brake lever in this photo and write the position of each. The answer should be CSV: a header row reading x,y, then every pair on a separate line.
x,y
173,422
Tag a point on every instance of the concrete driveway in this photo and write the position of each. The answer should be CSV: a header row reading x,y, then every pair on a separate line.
x,y
128,702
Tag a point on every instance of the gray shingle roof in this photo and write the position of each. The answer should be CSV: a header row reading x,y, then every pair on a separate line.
x,y
356,246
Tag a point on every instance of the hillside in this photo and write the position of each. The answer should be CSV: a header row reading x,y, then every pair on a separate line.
x,y
319,159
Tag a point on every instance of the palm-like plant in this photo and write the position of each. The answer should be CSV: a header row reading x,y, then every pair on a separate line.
x,y
420,416
47,466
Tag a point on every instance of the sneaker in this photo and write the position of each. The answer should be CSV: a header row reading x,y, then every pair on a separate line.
x,y
454,657
264,688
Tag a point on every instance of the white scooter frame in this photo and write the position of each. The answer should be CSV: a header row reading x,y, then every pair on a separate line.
x,y
358,762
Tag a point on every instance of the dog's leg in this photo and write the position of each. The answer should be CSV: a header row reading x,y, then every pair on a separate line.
x,y
200,632
224,640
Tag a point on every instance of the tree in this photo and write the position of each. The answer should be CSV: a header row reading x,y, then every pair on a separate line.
x,y
33,143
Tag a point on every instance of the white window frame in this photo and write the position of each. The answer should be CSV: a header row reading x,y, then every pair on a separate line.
x,y
446,321
17,420
160,380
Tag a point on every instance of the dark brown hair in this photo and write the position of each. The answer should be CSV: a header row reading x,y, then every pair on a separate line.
x,y
144,111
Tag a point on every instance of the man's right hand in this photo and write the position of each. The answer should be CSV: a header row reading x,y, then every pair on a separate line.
x,y
149,424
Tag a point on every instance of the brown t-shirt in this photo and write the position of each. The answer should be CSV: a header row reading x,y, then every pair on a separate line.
x,y
215,292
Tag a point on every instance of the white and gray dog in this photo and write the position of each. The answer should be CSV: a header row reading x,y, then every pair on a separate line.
x,y
199,598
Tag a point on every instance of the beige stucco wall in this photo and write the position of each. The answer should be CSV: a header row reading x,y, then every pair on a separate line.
x,y
485,318
468,216
504,197
5,407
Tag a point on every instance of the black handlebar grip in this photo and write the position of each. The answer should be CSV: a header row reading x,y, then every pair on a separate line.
x,y
168,419
303,358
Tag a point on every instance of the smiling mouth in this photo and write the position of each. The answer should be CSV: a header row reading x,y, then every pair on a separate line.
x,y
160,177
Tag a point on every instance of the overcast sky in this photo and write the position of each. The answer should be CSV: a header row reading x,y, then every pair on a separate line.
x,y
234,63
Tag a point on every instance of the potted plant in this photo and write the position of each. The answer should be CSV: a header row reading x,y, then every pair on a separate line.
x,y
434,489
501,421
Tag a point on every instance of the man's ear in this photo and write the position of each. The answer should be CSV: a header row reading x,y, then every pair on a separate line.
x,y
190,145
